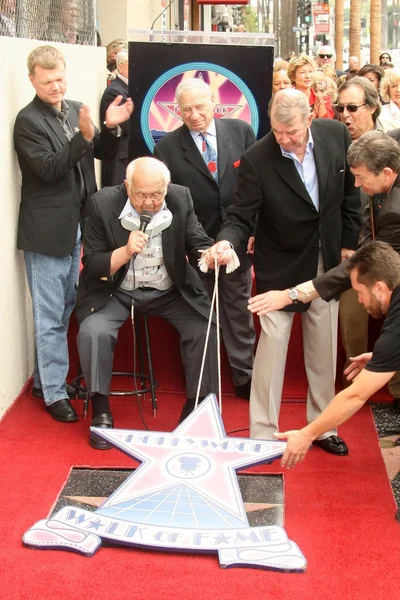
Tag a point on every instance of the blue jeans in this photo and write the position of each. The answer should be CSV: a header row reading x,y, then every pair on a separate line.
x,y
52,285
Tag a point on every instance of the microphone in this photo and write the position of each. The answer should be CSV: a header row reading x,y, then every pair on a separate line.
x,y
145,218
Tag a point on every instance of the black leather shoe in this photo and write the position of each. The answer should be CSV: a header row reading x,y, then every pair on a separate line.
x,y
38,392
243,391
334,445
63,411
103,421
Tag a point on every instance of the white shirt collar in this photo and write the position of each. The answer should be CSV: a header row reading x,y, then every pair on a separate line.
x,y
129,210
309,146
211,130
124,79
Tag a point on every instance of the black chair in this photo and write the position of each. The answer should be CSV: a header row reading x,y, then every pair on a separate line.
x,y
148,384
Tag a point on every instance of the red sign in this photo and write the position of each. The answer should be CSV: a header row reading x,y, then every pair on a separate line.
x,y
321,18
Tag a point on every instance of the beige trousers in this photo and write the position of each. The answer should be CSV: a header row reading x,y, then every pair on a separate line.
x,y
319,327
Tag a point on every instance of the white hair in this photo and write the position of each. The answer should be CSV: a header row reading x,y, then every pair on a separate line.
x,y
122,58
287,104
330,51
192,83
145,162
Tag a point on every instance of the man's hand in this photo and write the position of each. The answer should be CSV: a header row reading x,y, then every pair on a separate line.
x,y
269,301
357,365
136,242
118,113
250,245
298,444
86,126
346,253
222,251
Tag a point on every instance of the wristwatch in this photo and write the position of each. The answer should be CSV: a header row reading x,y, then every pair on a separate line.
x,y
294,295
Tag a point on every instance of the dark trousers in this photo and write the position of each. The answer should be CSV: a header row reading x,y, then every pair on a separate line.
x,y
236,320
98,334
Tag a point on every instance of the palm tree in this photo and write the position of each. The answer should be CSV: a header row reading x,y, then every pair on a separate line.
x,y
355,27
339,28
375,30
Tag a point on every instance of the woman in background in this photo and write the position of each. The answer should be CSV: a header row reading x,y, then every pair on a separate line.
x,y
301,71
390,92
280,77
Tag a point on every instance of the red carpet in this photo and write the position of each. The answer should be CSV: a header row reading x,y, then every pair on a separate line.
x,y
168,369
340,511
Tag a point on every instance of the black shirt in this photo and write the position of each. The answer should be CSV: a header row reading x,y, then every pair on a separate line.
x,y
386,354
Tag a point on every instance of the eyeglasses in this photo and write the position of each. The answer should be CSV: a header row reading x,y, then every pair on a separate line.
x,y
155,196
350,107
325,55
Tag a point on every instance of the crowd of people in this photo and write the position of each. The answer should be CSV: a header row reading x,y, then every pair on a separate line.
x,y
320,81
288,205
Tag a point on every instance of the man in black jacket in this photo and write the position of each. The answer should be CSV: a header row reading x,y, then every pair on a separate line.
x,y
213,191
113,171
126,269
56,143
296,182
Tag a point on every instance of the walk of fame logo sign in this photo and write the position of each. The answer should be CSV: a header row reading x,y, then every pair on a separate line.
x,y
184,496
160,113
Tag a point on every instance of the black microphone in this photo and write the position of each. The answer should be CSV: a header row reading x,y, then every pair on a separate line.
x,y
145,218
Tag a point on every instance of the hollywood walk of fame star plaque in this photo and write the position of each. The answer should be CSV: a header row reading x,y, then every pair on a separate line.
x,y
184,496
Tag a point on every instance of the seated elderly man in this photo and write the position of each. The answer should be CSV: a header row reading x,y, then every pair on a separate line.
x,y
125,267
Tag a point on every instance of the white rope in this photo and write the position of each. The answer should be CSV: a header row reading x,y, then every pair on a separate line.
x,y
231,266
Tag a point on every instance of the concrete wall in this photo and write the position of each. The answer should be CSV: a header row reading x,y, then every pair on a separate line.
x,y
117,17
86,82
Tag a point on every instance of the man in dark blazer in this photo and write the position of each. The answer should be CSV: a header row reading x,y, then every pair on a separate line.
x,y
124,267
56,143
374,159
297,184
113,171
213,192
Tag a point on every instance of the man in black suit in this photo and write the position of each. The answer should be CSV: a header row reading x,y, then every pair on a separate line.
x,y
295,181
212,181
113,171
56,143
124,267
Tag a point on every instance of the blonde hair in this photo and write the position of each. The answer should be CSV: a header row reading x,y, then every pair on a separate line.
x,y
280,65
46,57
331,88
299,61
390,79
329,71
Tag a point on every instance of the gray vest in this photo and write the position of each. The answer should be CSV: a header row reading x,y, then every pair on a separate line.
x,y
149,265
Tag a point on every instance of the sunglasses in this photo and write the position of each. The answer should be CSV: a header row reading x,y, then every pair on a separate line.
x,y
350,107
325,55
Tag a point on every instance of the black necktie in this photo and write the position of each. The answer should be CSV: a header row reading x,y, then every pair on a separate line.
x,y
377,202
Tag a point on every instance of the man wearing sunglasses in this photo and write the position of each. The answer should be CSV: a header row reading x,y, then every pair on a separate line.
x,y
326,55
359,106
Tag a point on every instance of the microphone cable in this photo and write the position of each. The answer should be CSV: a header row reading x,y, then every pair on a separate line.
x,y
145,218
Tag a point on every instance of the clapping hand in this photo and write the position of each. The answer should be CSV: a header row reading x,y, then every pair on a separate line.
x,y
118,113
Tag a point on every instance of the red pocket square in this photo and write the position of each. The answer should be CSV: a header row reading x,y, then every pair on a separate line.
x,y
236,164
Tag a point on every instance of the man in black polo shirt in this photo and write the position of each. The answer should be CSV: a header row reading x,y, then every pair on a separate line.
x,y
375,276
